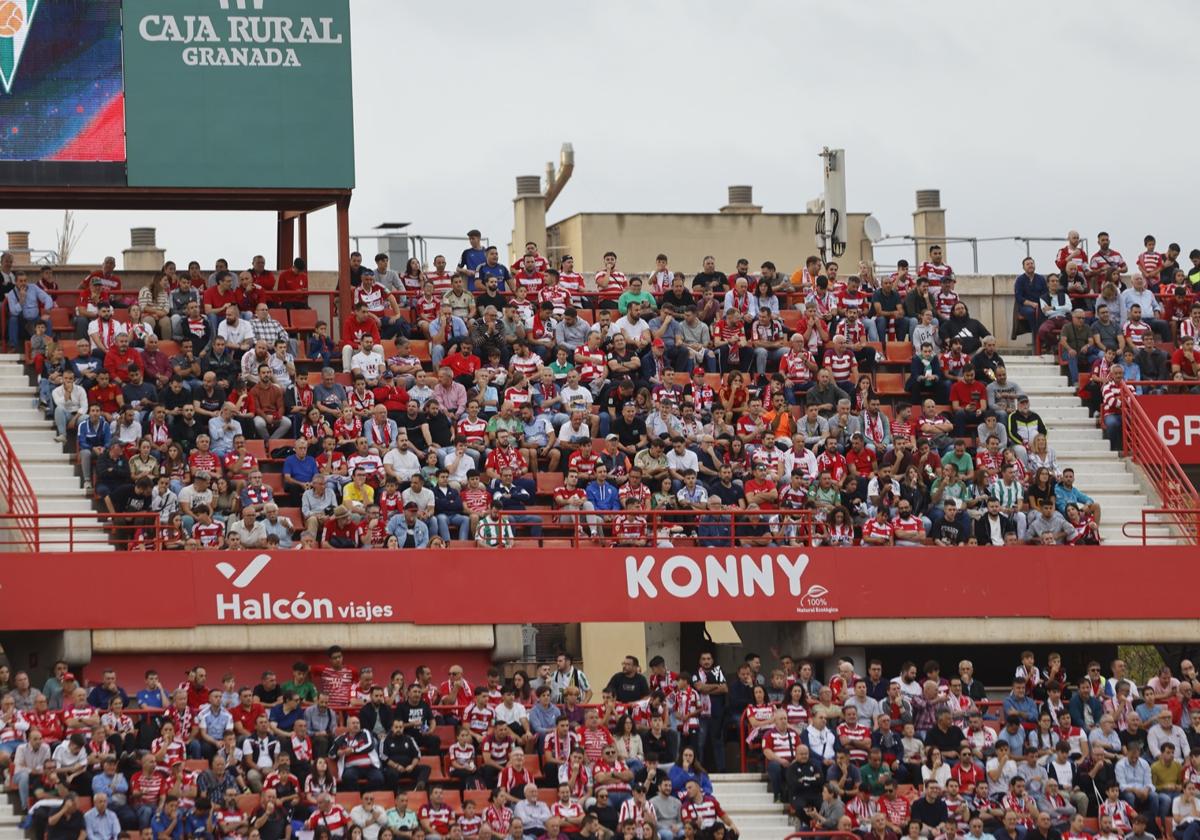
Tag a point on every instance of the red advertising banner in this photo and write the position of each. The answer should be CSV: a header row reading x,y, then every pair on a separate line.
x,y
1177,418
169,589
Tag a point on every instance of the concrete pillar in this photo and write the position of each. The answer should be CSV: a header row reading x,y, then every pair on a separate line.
x,y
143,253
662,639
529,216
929,223
508,643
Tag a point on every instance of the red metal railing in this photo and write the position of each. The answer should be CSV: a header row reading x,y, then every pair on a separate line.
x,y
18,500
66,532
70,532
645,528
1186,520
1142,444
324,301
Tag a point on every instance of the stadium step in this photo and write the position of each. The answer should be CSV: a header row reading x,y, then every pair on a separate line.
x,y
51,471
1099,471
747,799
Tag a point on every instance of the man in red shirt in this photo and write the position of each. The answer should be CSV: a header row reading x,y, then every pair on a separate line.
x,y
294,279
104,278
358,323
463,363
246,713
262,278
216,298
1185,362
968,401
120,358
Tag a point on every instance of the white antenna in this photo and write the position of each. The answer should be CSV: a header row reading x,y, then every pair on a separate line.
x,y
833,231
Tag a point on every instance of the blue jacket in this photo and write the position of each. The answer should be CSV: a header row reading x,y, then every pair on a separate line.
x,y
514,497
603,496
93,438
446,500
398,527
1027,288
916,369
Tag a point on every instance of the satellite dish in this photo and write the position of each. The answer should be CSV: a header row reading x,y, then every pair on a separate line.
x,y
871,229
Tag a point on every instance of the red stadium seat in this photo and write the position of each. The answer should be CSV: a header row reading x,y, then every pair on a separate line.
x,y
60,320
302,320
434,763
347,799
479,797
280,315
900,352
791,318
420,349
890,384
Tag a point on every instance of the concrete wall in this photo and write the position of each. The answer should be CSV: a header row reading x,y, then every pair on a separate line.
x,y
784,238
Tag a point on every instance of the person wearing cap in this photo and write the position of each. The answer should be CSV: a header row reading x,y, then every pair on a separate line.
x,y
614,460
341,531
1024,425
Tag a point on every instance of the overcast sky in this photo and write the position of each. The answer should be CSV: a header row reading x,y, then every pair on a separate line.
x,y
1030,117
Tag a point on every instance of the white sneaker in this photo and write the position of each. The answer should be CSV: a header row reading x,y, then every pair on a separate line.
x,y
87,487
59,439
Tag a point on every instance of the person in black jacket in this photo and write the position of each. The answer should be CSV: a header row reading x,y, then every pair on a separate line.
x,y
986,526
417,717
402,759
804,779
376,715
448,509
945,735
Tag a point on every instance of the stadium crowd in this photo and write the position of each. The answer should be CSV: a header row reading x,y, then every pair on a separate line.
x,y
489,403
343,752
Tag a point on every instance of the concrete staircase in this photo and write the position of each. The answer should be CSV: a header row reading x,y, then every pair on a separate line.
x,y
9,821
747,798
51,470
1075,438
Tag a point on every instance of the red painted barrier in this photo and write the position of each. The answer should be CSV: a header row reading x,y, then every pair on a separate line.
x,y
465,586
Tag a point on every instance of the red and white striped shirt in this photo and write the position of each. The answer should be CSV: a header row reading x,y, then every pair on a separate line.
x,y
935,273
945,300
438,819
706,812
795,367
462,754
337,820
479,720
857,732
783,744
841,365
572,282
616,284
1110,398
1136,332
1149,261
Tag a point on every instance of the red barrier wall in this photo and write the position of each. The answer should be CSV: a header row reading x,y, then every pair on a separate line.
x,y
548,585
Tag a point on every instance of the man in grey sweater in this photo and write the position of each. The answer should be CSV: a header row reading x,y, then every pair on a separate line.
x,y
666,810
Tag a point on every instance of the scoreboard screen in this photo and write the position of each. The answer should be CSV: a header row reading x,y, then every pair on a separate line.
x,y
61,96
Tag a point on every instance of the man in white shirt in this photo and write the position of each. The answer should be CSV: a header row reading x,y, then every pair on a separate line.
x,y
800,457
368,361
103,331
420,495
236,332
635,330
573,396
402,462
680,460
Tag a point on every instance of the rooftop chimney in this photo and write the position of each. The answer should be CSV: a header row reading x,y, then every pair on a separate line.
x,y
741,200
929,199
18,245
528,185
143,253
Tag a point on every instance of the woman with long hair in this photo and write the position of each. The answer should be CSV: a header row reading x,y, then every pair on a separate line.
x,y
155,301
689,769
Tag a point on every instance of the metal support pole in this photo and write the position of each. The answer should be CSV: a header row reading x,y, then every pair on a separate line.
x,y
345,296
304,238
